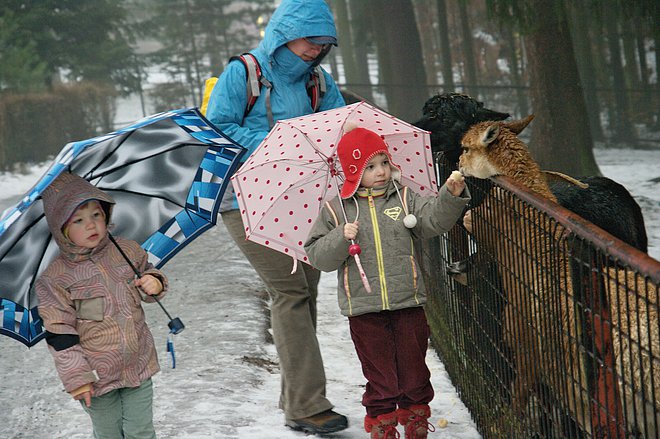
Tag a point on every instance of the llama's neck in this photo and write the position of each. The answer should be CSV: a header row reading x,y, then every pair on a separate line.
x,y
534,180
515,161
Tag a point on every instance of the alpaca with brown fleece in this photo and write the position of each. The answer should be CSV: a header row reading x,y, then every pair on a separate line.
x,y
493,149
532,244
632,301
604,202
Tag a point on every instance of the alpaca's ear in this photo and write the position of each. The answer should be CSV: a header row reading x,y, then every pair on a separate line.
x,y
516,126
490,134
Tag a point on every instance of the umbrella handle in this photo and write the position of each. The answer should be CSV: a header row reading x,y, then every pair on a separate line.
x,y
354,249
175,324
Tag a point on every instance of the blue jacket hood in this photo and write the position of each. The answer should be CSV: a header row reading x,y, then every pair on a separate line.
x,y
295,19
287,73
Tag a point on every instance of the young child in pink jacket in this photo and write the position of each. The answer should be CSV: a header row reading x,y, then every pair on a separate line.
x,y
90,303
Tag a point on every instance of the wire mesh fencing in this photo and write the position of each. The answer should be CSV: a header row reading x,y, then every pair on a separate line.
x,y
547,324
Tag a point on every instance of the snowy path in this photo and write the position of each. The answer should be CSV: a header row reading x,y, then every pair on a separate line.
x,y
226,382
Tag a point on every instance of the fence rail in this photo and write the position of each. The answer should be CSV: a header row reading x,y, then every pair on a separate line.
x,y
553,331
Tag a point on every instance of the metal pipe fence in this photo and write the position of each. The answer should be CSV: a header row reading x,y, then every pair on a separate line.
x,y
552,331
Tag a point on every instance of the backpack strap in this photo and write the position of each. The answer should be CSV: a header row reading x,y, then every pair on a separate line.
x,y
316,87
254,81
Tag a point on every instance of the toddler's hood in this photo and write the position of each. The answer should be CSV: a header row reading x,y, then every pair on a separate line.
x,y
60,200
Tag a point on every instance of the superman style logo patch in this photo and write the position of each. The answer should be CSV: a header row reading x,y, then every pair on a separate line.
x,y
393,212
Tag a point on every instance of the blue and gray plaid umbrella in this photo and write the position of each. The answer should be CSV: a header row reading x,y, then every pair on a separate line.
x,y
167,174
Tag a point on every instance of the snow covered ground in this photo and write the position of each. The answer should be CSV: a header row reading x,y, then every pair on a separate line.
x,y
226,380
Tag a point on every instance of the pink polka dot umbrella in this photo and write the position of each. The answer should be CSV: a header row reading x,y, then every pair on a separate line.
x,y
294,171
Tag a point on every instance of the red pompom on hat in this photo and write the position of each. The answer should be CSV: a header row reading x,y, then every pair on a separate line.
x,y
356,147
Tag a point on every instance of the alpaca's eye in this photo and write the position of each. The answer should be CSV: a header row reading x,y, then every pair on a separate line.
x,y
464,149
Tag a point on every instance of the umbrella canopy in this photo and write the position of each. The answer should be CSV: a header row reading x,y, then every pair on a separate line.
x,y
294,171
167,174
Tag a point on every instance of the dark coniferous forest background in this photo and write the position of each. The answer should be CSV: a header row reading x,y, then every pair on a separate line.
x,y
586,69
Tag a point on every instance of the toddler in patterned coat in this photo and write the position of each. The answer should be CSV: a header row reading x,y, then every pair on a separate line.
x,y
90,303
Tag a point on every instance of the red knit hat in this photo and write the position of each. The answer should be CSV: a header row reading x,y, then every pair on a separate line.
x,y
356,147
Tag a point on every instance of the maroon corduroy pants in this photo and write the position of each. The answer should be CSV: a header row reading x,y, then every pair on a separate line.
x,y
391,346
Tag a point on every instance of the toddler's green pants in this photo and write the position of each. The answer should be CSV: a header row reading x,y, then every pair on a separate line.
x,y
123,413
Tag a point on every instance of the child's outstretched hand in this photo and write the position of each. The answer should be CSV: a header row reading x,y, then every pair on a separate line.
x,y
149,284
456,183
351,230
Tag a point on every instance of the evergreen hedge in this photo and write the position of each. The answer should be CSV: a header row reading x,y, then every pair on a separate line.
x,y
35,126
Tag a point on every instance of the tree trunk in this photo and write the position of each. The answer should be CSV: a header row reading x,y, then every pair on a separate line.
x,y
656,93
648,100
359,11
470,81
643,64
211,48
345,42
400,57
385,76
631,67
621,124
584,58
515,61
561,139
425,27
195,76
445,50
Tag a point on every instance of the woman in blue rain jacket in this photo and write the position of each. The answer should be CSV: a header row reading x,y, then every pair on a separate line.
x,y
299,34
